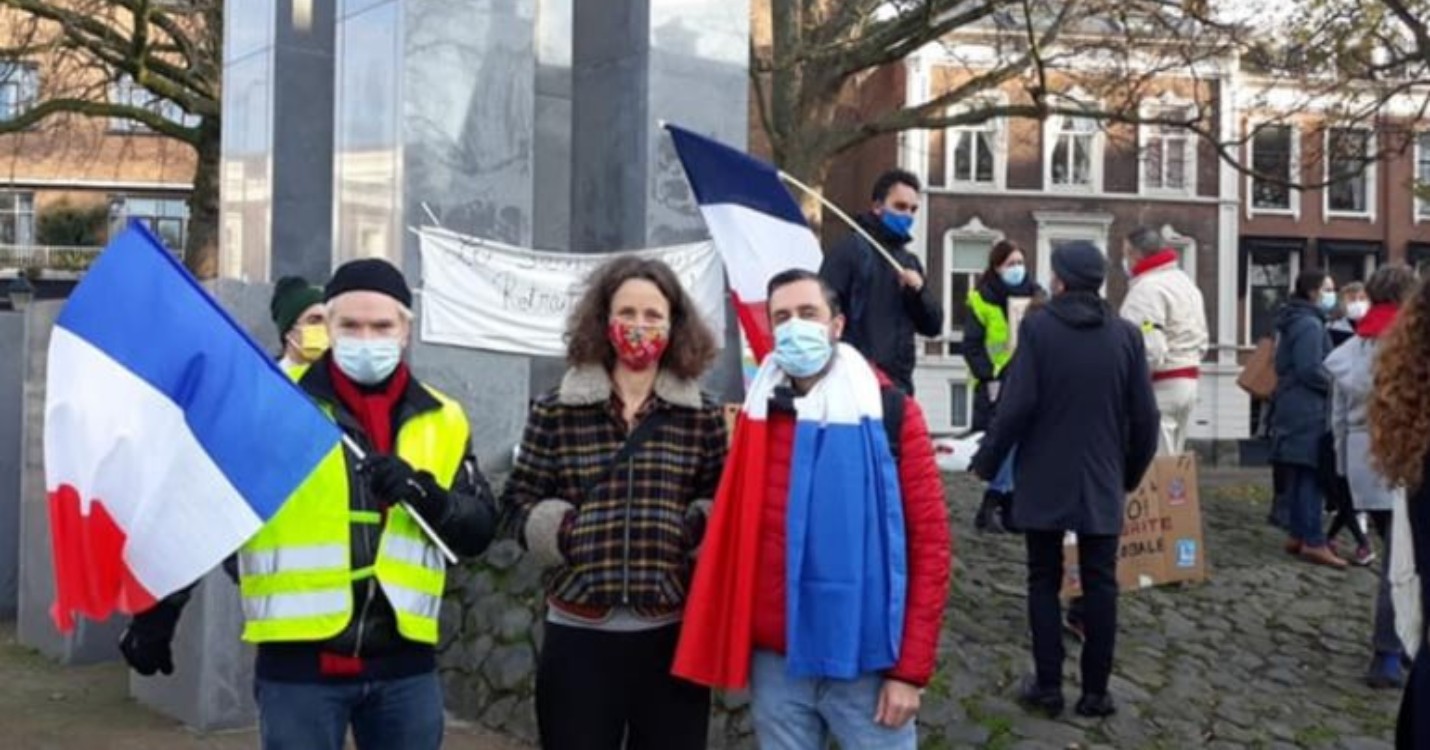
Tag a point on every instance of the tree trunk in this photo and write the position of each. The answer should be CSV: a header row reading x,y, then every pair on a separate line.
x,y
201,250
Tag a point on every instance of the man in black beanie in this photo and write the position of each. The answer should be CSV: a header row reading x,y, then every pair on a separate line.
x,y
297,309
1078,406
342,589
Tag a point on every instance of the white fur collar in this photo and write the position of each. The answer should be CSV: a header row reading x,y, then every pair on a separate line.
x,y
590,384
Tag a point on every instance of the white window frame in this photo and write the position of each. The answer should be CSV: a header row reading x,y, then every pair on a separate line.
x,y
1369,176
1062,225
1294,271
998,126
1052,129
119,210
1293,195
1186,248
1420,206
1189,149
965,385
973,231
124,90
24,77
16,214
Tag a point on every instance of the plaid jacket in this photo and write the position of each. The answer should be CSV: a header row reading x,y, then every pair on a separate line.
x,y
629,541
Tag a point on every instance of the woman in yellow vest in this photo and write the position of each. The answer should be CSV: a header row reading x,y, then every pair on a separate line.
x,y
986,348
611,489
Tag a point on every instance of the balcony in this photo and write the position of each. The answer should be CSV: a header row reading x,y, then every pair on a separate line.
x,y
52,261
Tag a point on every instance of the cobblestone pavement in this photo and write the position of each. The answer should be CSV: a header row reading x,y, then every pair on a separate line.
x,y
1268,654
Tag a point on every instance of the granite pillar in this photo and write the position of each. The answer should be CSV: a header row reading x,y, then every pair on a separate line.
x,y
12,386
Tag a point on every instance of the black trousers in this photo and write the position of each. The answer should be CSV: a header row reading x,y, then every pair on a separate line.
x,y
1412,729
1097,567
604,691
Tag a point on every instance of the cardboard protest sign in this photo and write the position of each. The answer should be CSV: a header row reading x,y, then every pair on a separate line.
x,y
1017,310
1162,540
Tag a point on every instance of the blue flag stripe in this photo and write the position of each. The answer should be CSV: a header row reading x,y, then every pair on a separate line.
x,y
720,174
140,307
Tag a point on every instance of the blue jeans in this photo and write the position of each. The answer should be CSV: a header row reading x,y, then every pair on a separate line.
x,y
802,714
1003,482
1303,495
402,714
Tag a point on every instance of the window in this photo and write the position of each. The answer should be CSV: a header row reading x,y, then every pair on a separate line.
x,y
1073,162
1055,228
1271,264
960,416
1349,171
1349,260
965,254
17,218
19,88
1169,154
1186,248
1272,154
973,154
168,218
125,91
1422,175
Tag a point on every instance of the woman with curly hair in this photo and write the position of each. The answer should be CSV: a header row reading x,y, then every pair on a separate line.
x,y
611,490
1399,419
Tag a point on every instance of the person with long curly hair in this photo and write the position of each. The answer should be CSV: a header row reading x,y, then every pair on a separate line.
x,y
611,489
1399,419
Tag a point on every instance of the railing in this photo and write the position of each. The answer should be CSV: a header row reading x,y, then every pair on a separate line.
x,y
48,257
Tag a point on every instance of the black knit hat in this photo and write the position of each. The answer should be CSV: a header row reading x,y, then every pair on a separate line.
x,y
1080,266
369,275
291,296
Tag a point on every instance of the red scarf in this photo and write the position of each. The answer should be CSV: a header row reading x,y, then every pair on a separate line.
x,y
1156,260
1377,320
372,408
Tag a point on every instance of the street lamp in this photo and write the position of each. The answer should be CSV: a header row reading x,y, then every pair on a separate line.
x,y
21,293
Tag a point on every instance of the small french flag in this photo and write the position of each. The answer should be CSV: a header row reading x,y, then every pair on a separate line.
x,y
757,227
170,437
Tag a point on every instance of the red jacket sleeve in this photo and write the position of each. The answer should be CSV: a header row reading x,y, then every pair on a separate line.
x,y
930,549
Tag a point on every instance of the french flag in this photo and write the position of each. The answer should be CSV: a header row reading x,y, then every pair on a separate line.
x,y
757,227
170,437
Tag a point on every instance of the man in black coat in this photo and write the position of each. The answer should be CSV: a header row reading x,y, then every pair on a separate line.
x,y
885,307
1078,406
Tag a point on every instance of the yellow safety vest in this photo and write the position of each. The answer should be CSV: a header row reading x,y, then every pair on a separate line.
x,y
995,331
296,576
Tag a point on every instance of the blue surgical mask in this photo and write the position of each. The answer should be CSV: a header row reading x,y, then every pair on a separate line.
x,y
367,361
1328,301
802,347
1014,275
900,224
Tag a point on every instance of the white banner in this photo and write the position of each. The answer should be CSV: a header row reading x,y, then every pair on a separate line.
x,y
485,295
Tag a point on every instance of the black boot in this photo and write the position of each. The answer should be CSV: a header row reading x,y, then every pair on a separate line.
x,y
1005,512
1040,698
989,519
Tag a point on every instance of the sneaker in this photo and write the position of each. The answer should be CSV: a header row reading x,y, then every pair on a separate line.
x,y
1364,556
1322,556
1046,700
1096,706
1386,672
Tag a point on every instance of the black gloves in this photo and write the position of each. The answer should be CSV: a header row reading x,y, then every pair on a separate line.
x,y
395,481
147,643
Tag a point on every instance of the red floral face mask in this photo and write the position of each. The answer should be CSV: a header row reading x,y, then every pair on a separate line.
x,y
637,346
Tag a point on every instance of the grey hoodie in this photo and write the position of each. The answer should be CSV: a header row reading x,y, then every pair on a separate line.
x,y
1352,370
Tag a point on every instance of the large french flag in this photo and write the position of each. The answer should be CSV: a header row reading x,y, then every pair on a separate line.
x,y
757,227
170,437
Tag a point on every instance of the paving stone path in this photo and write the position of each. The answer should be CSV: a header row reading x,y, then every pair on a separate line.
x,y
1268,654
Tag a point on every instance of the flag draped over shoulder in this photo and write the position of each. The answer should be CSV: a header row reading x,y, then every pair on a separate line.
x,y
170,437
846,566
756,225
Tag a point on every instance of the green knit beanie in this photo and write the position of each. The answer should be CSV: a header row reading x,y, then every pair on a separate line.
x,y
291,296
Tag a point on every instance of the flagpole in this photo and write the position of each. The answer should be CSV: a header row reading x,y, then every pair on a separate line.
x,y
421,522
898,268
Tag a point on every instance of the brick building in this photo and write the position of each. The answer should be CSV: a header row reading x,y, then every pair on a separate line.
x,y
1067,178
85,174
